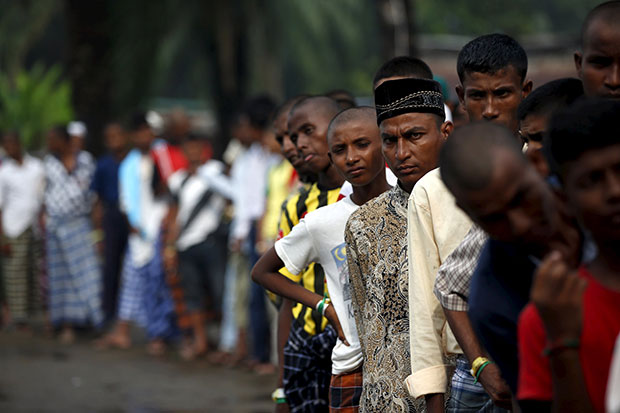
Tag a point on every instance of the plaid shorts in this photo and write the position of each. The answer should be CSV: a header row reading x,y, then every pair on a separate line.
x,y
307,369
345,391
467,396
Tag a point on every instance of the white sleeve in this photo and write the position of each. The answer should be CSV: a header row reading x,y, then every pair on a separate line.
x,y
296,250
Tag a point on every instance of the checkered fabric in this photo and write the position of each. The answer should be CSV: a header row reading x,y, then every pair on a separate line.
x,y
454,275
145,297
19,271
68,194
307,368
131,294
467,396
345,392
75,283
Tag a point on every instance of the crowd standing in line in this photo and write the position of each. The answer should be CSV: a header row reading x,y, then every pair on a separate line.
x,y
378,259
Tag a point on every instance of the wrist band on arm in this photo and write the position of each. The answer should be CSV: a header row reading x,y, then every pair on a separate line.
x,y
278,396
558,346
477,365
322,305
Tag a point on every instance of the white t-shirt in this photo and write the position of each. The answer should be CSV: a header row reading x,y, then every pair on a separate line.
x,y
319,237
21,194
189,194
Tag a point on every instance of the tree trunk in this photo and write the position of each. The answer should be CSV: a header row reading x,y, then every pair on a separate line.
x,y
88,66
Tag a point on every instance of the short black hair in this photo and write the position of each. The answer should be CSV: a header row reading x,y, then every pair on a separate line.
x,y
345,99
551,97
195,137
61,131
258,110
138,121
405,66
467,158
350,114
286,106
609,11
491,53
324,103
11,134
588,124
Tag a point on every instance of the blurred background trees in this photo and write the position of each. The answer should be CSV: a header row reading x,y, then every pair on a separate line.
x,y
121,55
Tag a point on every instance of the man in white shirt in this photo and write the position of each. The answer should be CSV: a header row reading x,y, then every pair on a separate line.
x,y
22,180
355,151
199,194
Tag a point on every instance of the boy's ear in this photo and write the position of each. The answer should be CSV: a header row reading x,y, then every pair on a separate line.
x,y
527,88
460,92
578,57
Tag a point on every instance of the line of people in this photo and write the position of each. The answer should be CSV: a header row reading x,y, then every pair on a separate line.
x,y
412,265
486,278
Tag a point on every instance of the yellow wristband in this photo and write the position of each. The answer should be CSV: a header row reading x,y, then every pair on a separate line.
x,y
477,363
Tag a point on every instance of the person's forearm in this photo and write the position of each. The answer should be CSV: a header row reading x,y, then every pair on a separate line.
x,y
434,402
569,388
464,333
266,273
285,318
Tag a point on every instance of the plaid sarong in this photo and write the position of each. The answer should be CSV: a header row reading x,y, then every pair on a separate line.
x,y
467,396
131,294
145,297
307,369
19,271
345,392
74,275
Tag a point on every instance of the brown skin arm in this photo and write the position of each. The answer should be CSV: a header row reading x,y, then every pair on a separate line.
x,y
285,318
434,402
266,273
171,235
490,378
557,293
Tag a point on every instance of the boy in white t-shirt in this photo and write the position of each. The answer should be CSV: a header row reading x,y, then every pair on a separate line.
x,y
355,151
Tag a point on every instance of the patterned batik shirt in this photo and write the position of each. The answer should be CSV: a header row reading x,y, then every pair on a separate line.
x,y
376,237
67,193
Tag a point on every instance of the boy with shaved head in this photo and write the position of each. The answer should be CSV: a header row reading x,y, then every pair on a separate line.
x,y
355,151
598,61
306,364
410,114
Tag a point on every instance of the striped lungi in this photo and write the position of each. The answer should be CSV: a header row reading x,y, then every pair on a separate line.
x,y
145,297
19,267
74,275
131,293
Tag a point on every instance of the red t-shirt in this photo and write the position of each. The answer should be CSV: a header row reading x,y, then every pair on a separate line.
x,y
601,325
168,158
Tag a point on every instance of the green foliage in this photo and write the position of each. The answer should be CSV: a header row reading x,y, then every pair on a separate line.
x,y
34,102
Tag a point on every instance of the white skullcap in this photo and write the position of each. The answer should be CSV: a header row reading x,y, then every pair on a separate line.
x,y
76,128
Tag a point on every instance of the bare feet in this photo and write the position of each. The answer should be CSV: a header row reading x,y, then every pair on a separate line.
x,y
193,350
113,340
263,369
156,347
67,336
219,358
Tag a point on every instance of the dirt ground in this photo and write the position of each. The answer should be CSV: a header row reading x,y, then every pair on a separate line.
x,y
38,374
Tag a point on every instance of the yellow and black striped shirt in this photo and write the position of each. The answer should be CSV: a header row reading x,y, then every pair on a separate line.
x,y
313,277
